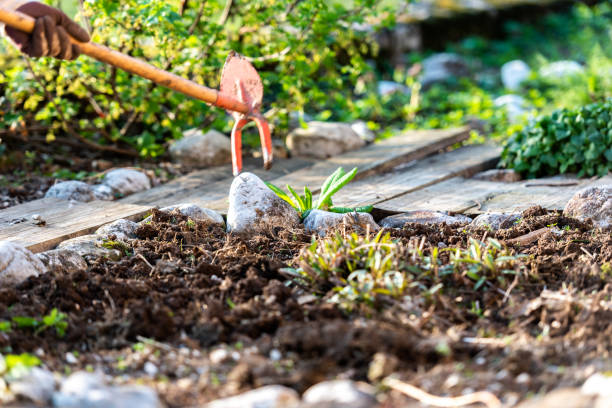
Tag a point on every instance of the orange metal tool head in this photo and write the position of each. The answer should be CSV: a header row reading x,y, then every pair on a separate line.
x,y
240,80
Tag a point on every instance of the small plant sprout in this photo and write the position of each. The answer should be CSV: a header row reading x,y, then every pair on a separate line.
x,y
304,203
54,319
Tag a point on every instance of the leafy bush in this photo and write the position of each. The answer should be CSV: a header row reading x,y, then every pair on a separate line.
x,y
567,141
305,51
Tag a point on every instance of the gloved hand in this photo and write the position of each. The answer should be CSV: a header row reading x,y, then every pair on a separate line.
x,y
50,35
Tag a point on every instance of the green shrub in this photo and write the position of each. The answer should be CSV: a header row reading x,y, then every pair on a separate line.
x,y
567,141
305,51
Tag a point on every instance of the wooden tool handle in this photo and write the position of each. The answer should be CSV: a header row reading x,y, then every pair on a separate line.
x,y
25,23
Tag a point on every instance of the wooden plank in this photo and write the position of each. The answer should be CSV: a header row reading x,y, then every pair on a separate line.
x,y
470,196
552,194
378,157
464,161
172,191
64,220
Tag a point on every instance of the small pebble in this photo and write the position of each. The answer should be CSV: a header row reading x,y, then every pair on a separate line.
x,y
71,359
275,355
523,378
150,368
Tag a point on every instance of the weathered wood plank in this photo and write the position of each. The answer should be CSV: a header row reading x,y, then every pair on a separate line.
x,y
377,158
195,183
551,194
64,220
470,196
464,161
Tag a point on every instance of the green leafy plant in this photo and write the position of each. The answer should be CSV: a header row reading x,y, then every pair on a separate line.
x,y
54,320
569,140
17,365
304,204
369,269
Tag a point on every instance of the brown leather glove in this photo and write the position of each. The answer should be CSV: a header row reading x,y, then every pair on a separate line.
x,y
50,35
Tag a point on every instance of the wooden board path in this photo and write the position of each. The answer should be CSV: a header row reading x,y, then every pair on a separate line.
x,y
66,220
375,158
468,196
464,161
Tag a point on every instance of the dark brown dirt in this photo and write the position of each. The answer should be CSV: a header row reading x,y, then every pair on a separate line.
x,y
217,315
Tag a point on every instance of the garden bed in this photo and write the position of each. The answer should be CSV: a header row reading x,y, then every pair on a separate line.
x,y
189,290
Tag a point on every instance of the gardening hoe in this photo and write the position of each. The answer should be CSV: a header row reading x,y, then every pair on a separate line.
x,y
241,90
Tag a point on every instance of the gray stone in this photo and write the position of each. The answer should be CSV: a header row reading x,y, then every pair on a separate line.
x,y
294,119
254,207
321,222
343,393
495,220
124,182
423,217
563,397
502,175
17,263
514,73
442,67
361,128
88,390
37,386
62,260
561,69
322,140
199,149
90,247
196,213
594,203
122,229
515,106
270,396
71,190
389,87
103,192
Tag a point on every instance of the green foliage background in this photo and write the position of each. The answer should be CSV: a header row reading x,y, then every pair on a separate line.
x,y
305,51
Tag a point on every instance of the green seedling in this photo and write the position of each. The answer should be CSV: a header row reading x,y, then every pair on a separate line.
x,y
304,203
17,365
55,319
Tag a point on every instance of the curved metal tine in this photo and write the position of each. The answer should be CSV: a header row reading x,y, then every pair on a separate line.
x,y
264,136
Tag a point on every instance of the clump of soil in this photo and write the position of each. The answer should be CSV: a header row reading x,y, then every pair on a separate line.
x,y
217,315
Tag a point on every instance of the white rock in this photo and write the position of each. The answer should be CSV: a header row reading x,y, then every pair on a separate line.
x,y
199,149
389,87
514,73
561,69
219,356
124,182
62,260
321,222
37,386
515,106
342,392
150,368
122,229
442,67
196,213
322,140
598,384
361,128
253,207
70,358
90,247
271,396
17,263
594,203
495,220
103,192
71,190
88,390
423,217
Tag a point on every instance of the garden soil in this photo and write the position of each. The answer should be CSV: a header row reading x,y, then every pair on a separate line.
x,y
216,316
